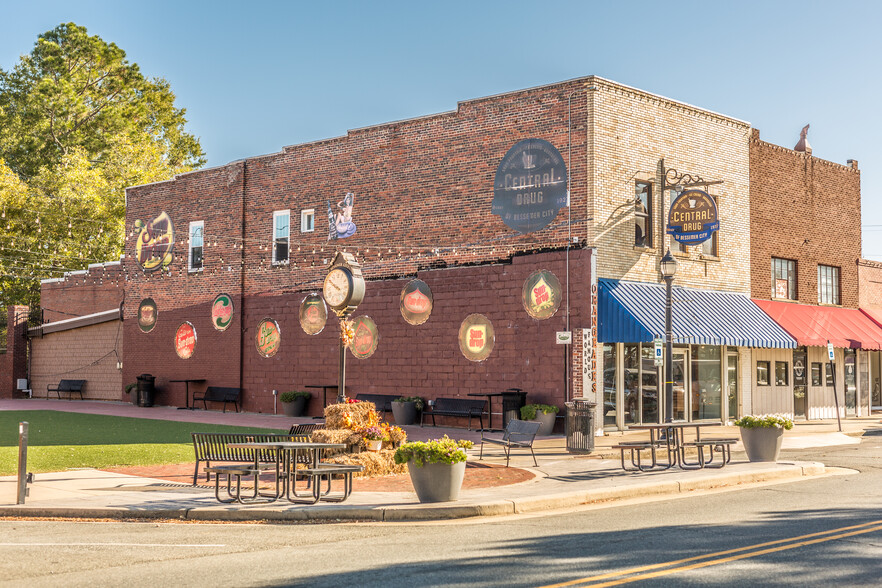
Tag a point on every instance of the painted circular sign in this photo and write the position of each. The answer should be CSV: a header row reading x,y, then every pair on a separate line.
x,y
268,338
416,302
222,312
530,185
313,314
147,314
693,217
365,338
542,295
155,242
185,340
476,337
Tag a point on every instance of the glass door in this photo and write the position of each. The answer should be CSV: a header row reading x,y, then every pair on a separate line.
x,y
800,381
732,384
850,383
680,369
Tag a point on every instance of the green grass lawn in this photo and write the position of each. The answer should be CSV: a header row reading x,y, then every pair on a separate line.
x,y
64,440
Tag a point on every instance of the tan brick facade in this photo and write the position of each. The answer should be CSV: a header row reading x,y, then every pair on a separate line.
x,y
870,283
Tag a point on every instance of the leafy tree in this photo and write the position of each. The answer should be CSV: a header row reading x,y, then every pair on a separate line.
x,y
78,124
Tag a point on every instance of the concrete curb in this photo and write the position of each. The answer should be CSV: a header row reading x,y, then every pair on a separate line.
x,y
433,512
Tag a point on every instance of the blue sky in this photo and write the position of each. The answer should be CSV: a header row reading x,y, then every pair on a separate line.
x,y
257,76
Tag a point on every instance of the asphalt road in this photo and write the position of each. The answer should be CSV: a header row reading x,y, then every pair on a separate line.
x,y
818,532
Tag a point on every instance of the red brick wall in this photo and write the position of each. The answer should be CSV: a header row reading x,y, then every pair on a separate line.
x,y
423,189
98,289
13,363
806,209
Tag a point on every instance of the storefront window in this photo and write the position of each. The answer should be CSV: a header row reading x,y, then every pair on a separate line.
x,y
707,400
781,370
816,374
762,373
829,369
649,379
632,382
609,384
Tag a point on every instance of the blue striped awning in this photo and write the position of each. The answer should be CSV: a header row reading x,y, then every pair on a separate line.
x,y
632,312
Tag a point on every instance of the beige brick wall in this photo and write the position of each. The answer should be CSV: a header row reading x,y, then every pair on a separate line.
x,y
79,354
629,132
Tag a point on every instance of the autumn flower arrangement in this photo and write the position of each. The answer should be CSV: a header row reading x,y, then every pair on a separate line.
x,y
373,433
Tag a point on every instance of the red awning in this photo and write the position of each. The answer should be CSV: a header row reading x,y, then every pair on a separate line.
x,y
874,313
816,325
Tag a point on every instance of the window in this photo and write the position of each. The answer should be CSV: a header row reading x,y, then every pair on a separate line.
x,y
783,278
816,374
781,371
307,220
643,214
710,247
194,257
762,373
676,246
828,284
281,234
829,370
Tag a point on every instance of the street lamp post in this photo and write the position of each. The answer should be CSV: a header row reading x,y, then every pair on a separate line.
x,y
668,268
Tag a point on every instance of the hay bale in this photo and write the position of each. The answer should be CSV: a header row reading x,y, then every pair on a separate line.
x,y
376,463
347,436
351,415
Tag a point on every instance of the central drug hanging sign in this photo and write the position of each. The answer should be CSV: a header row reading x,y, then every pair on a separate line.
x,y
693,218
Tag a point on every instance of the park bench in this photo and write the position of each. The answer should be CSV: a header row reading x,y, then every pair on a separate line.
x,y
383,402
220,394
517,434
458,407
212,447
314,476
305,429
721,446
69,386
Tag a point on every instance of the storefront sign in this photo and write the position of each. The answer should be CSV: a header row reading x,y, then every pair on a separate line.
x,y
185,341
222,312
268,337
781,289
313,314
563,337
365,338
147,315
542,294
693,217
416,302
476,337
530,185
154,243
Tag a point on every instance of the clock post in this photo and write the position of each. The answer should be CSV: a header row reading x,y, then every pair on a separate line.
x,y
343,291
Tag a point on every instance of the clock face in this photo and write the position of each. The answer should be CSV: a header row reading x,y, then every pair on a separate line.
x,y
337,287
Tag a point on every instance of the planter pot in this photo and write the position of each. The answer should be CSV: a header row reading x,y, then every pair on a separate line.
x,y
374,445
437,482
762,443
405,413
296,408
546,421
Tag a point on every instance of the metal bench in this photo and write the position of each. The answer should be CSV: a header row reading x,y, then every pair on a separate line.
x,y
721,446
314,476
220,394
229,471
305,429
517,434
210,447
458,407
383,402
69,386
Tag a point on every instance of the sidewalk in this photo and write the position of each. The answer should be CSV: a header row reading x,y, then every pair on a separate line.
x,y
561,481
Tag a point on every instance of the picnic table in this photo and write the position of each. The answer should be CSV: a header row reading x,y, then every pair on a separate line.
x,y
669,440
287,473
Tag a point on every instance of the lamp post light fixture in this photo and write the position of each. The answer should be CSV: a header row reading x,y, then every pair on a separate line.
x,y
668,268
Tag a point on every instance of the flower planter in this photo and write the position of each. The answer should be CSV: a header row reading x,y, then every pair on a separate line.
x,y
296,408
405,413
546,421
373,445
762,443
437,482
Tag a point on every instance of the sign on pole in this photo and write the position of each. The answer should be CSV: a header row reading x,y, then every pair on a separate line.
x,y
659,354
830,351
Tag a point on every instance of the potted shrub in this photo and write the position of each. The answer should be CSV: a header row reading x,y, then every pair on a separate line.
x,y
294,402
762,435
373,438
543,413
406,409
133,387
436,467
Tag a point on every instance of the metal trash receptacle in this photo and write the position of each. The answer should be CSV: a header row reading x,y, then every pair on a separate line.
x,y
580,426
146,389
512,401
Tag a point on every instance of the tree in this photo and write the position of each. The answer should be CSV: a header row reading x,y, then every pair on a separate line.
x,y
78,124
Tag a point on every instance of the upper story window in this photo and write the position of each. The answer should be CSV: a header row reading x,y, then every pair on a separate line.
x,y
676,246
281,235
194,257
828,284
643,214
783,278
307,220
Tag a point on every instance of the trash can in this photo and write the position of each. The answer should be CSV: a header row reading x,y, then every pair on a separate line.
x,y
146,389
580,426
512,401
